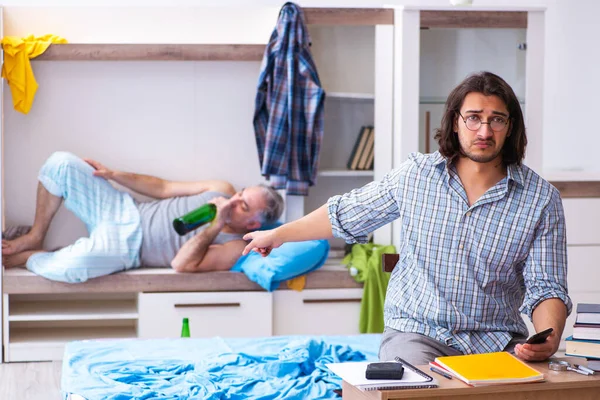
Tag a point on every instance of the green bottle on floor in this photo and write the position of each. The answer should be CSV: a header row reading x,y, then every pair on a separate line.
x,y
185,328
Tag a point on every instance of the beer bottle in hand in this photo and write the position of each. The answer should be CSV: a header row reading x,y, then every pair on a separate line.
x,y
195,218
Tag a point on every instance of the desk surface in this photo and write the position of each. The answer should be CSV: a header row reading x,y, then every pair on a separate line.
x,y
557,386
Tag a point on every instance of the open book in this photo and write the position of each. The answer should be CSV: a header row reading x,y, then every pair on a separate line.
x,y
488,369
354,374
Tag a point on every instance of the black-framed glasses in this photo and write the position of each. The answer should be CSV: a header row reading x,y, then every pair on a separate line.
x,y
473,122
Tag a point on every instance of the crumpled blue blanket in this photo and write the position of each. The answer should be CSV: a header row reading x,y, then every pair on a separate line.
x,y
280,367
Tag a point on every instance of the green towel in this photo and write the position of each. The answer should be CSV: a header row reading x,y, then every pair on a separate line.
x,y
366,258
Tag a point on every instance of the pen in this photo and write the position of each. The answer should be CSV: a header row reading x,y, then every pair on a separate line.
x,y
442,373
584,369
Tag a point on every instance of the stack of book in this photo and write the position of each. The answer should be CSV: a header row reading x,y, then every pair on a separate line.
x,y
585,341
362,156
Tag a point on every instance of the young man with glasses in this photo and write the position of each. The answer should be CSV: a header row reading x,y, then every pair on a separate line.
x,y
482,237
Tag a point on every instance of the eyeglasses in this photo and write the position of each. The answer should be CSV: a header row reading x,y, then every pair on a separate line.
x,y
473,122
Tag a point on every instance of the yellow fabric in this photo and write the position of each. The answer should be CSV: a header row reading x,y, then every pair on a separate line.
x,y
298,283
17,68
489,368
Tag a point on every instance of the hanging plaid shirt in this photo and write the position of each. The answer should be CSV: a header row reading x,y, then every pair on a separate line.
x,y
465,273
288,116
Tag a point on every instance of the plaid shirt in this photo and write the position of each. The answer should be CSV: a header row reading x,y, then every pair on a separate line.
x,y
288,116
465,273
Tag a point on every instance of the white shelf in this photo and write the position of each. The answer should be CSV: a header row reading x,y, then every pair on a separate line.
x,y
40,337
346,173
71,311
349,95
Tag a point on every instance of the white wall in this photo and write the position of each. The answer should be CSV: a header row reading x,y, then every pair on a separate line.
x,y
572,84
245,24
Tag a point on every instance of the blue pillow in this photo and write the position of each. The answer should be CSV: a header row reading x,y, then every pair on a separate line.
x,y
285,262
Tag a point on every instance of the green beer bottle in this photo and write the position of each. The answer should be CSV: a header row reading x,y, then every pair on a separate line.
x,y
195,218
185,328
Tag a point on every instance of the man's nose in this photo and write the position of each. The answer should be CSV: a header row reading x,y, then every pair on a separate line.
x,y
485,131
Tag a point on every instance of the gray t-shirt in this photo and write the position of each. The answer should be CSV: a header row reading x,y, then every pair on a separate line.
x,y
160,242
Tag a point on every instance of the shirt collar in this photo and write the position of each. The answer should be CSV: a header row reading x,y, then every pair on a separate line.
x,y
514,172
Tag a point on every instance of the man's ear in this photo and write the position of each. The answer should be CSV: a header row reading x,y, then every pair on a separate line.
x,y
455,124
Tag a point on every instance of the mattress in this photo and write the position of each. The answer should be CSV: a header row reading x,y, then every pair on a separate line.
x,y
278,367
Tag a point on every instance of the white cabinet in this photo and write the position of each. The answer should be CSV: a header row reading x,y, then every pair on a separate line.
x,y
226,314
37,327
316,312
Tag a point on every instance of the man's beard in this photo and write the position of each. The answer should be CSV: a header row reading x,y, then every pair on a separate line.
x,y
481,158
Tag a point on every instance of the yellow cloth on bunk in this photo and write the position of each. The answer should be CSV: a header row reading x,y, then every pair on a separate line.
x,y
17,67
298,283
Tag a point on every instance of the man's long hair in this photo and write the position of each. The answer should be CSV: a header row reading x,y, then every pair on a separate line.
x,y
487,84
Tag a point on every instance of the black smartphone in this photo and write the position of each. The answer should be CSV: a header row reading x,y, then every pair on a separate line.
x,y
539,337
384,370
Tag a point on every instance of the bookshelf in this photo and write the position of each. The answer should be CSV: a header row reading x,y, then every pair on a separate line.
x,y
351,77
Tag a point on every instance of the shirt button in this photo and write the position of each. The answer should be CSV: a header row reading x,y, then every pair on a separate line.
x,y
468,213
461,246
457,278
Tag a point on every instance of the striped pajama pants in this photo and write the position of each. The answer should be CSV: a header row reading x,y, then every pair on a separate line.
x,y
111,217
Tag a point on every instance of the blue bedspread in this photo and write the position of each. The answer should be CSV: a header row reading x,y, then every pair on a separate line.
x,y
279,367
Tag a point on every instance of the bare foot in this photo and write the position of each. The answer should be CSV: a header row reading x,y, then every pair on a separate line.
x,y
22,243
16,260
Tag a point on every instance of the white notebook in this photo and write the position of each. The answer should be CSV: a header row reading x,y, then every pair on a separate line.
x,y
354,374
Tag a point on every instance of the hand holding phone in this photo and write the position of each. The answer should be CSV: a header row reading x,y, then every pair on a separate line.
x,y
540,337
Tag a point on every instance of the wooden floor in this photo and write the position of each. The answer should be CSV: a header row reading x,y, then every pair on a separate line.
x,y
30,381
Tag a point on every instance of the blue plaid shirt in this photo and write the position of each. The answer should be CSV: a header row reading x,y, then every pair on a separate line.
x,y
288,116
465,273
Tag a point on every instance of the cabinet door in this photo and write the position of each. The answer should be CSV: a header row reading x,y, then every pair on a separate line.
x,y
316,312
226,314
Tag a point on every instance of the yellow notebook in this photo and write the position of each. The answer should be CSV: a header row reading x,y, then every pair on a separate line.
x,y
489,369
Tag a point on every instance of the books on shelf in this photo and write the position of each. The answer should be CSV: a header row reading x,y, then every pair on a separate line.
x,y
489,369
355,374
363,152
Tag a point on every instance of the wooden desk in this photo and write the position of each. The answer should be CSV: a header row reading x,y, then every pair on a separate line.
x,y
558,386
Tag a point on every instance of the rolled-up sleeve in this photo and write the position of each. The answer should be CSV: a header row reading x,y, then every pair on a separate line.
x,y
545,270
361,211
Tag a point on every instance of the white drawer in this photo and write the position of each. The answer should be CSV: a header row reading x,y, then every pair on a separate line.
x,y
582,217
316,312
584,268
226,314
